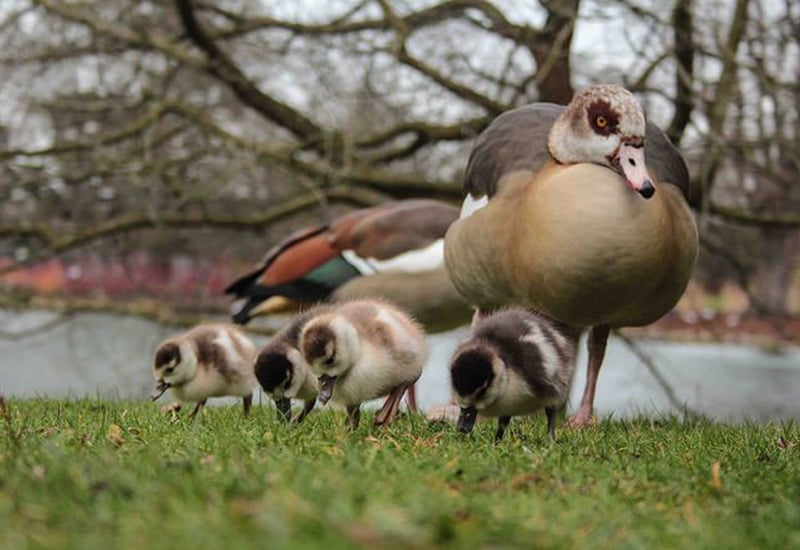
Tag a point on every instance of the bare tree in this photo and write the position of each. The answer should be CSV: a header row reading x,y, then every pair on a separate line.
x,y
245,115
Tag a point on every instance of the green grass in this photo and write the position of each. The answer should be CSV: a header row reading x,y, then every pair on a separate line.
x,y
70,478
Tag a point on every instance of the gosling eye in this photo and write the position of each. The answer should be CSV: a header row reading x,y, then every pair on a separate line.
x,y
329,361
169,370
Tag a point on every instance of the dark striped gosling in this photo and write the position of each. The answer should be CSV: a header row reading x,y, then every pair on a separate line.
x,y
210,360
283,372
362,350
515,363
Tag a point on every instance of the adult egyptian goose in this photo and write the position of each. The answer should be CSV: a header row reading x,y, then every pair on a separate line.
x,y
392,251
210,360
578,212
514,363
362,350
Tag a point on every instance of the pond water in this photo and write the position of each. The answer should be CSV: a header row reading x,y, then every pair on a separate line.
x,y
109,356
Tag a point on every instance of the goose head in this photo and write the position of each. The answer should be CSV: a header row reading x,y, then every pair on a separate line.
x,y
604,124
478,377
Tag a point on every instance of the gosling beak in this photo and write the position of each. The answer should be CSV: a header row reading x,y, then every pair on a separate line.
x,y
466,419
325,388
161,387
284,407
630,162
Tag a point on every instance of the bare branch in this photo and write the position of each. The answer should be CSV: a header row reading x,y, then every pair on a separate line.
x,y
57,243
683,32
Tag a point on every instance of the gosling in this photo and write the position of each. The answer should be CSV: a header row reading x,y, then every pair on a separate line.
x,y
283,372
362,350
515,363
210,360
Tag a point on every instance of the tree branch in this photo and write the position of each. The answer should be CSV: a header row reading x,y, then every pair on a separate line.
x,y
683,33
722,98
57,243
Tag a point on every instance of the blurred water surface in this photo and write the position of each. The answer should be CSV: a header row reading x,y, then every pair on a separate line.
x,y
109,356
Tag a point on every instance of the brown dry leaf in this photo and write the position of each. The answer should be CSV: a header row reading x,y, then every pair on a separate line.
x,y
114,435
784,444
374,441
47,431
716,482
207,459
427,442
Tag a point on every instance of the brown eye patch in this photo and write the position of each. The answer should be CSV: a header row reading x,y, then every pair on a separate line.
x,y
602,118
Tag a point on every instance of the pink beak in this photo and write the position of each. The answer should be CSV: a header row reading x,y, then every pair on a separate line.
x,y
630,161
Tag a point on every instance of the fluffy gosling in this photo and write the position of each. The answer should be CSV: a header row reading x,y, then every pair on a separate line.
x,y
362,350
283,372
515,363
210,360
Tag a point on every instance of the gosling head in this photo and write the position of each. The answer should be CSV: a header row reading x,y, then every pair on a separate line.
x,y
331,346
279,371
478,377
173,365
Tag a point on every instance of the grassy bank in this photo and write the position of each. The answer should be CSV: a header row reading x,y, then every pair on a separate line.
x,y
120,475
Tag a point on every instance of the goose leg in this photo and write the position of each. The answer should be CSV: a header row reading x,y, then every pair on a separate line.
x,y
597,349
411,398
389,409
551,413
502,424
353,416
309,406
197,408
247,401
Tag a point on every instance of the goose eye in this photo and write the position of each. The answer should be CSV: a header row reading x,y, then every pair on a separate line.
x,y
601,121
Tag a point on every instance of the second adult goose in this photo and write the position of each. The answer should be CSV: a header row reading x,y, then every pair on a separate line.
x,y
578,212
392,251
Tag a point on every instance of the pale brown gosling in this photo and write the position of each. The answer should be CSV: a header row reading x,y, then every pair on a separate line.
x,y
210,360
362,350
283,372
515,363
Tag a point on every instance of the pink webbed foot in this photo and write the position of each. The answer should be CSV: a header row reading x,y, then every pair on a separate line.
x,y
582,418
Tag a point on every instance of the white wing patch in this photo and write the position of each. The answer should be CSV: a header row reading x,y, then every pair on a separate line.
x,y
413,261
224,340
244,343
550,359
396,326
472,205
